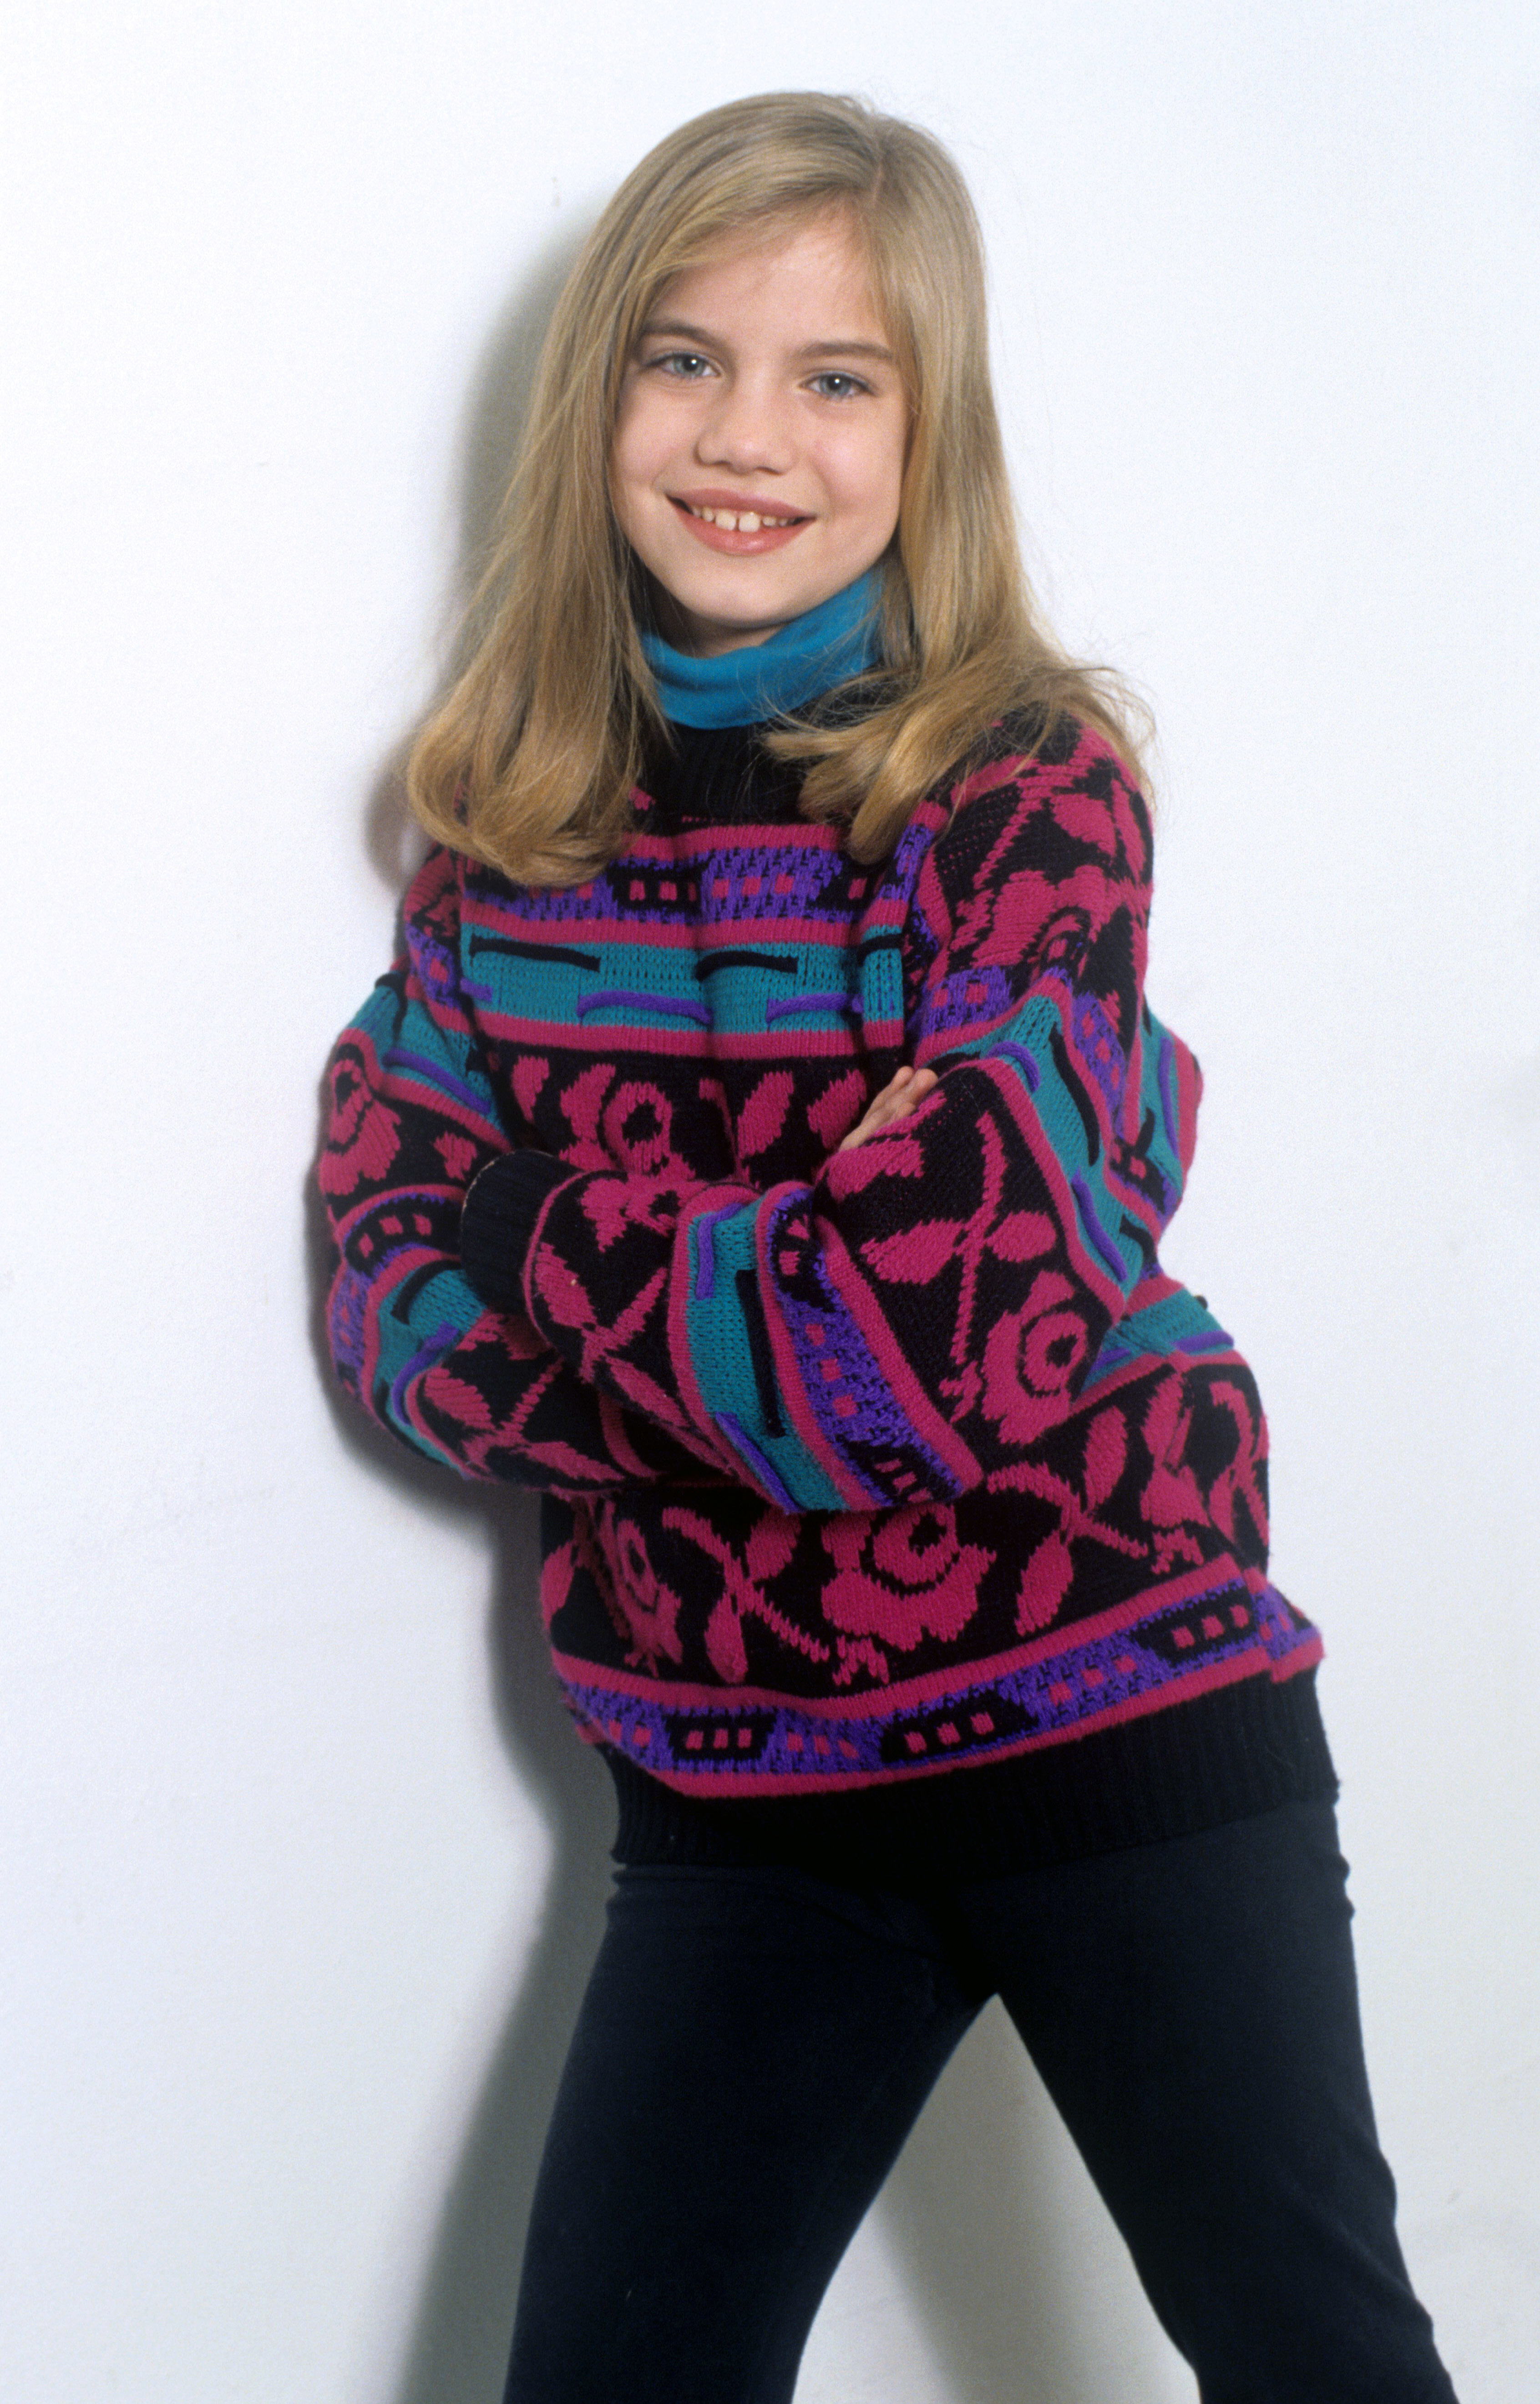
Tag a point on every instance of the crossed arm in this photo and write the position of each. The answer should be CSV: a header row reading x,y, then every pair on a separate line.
x,y
410,1121
898,1328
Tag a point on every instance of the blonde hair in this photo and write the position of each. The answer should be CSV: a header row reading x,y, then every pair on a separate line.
x,y
530,762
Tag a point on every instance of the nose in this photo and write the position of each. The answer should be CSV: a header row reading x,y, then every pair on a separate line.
x,y
747,431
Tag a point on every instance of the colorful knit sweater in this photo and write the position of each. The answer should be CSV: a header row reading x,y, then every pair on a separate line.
x,y
900,1480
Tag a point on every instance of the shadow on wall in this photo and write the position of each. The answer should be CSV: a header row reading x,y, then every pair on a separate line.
x,y
495,408
987,2216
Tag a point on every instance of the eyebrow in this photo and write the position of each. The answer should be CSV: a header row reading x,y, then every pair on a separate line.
x,y
674,330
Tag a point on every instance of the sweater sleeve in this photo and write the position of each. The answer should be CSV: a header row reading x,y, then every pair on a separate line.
x,y
904,1327
410,1121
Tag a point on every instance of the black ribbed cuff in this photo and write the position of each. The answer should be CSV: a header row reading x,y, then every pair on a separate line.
x,y
497,1223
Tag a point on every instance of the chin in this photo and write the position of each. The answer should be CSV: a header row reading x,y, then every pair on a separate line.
x,y
736,622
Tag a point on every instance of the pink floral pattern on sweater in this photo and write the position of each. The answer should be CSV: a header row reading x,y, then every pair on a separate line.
x,y
823,1432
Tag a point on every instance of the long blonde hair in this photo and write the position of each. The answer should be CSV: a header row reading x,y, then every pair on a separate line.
x,y
530,762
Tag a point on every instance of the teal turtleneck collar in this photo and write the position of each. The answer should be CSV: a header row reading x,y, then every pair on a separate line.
x,y
839,638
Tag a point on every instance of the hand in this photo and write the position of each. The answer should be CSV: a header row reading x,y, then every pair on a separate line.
x,y
904,1092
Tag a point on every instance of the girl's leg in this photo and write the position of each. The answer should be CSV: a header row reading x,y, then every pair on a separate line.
x,y
1193,2009
752,2050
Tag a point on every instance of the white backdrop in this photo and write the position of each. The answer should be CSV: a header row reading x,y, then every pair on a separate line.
x,y
300,1863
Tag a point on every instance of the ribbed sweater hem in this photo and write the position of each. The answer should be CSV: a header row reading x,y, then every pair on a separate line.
x,y
1223,1756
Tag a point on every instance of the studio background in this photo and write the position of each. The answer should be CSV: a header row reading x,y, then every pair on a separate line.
x,y
301,1866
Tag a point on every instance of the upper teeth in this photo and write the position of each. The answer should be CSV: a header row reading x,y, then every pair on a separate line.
x,y
737,521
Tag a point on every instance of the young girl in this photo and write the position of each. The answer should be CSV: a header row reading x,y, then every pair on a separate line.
x,y
764,1148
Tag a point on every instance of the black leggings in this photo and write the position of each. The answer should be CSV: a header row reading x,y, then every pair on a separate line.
x,y
755,2046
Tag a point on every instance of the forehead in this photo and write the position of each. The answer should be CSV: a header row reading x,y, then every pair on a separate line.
x,y
807,275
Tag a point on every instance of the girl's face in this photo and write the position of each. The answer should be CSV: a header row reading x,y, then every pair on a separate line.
x,y
758,446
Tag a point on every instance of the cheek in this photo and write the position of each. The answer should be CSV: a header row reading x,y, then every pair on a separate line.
x,y
893,488
629,487
638,450
871,475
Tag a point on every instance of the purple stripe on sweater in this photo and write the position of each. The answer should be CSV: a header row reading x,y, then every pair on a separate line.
x,y
1166,1082
756,1459
1024,1060
347,1319
1206,1341
426,1353
809,878
969,998
858,1415
695,1010
445,1082
1096,1040
813,1001
1194,1643
1101,1243
1281,1632
706,1259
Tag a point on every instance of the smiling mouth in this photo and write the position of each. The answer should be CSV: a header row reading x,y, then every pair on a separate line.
x,y
743,521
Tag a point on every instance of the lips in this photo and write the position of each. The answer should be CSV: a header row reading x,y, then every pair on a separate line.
x,y
729,522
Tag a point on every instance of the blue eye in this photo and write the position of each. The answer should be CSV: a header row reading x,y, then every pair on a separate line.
x,y
835,385
688,365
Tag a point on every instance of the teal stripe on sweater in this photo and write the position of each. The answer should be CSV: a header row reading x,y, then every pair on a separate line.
x,y
421,1319
1032,1031
639,986
1180,1323
440,1309
721,1246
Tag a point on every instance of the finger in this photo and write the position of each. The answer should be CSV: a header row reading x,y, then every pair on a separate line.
x,y
876,1116
913,1094
905,1089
